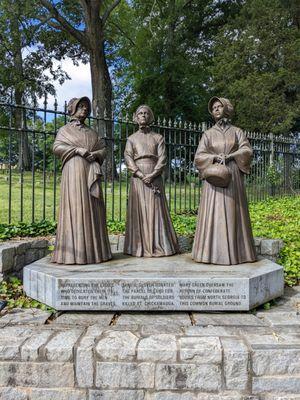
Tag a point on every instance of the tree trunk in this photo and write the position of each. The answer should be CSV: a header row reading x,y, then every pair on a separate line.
x,y
102,107
101,84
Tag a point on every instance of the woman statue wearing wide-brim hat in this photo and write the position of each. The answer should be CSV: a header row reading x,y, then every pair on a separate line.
x,y
81,232
223,235
149,229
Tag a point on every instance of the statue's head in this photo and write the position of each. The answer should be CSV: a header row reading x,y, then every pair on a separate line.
x,y
220,107
79,108
144,115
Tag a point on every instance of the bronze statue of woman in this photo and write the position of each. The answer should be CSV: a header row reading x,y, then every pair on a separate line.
x,y
223,233
149,229
81,236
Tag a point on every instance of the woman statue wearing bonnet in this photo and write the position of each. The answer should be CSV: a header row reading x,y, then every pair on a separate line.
x,y
81,232
149,229
223,233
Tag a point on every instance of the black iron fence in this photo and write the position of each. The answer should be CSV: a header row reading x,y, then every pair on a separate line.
x,y
30,174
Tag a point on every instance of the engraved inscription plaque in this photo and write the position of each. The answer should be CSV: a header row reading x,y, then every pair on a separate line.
x,y
168,283
133,295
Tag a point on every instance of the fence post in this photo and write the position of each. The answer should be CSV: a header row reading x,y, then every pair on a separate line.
x,y
271,169
272,149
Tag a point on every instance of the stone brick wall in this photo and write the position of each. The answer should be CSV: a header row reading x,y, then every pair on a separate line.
x,y
105,363
268,248
14,255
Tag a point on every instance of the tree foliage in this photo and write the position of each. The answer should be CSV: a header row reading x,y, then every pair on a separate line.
x,y
164,68
84,22
166,53
23,71
170,54
256,64
27,68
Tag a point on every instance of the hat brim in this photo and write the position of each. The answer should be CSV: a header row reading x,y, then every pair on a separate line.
x,y
228,107
73,107
212,101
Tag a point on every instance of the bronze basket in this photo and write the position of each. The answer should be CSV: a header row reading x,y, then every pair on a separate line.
x,y
217,174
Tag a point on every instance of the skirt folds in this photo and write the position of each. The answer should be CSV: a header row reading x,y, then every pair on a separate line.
x,y
223,234
81,232
149,229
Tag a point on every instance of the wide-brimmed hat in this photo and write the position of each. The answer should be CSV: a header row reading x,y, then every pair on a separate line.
x,y
150,112
228,107
73,103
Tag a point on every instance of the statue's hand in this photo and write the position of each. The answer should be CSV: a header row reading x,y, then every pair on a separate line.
x,y
139,174
82,151
219,158
230,157
90,157
148,179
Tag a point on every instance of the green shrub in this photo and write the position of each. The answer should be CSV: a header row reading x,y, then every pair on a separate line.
x,y
184,224
11,291
42,228
280,219
116,227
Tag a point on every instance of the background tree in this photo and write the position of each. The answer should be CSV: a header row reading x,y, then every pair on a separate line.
x,y
166,53
84,21
23,71
256,64
161,58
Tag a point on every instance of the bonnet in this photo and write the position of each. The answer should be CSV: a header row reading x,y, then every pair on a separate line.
x,y
73,103
228,107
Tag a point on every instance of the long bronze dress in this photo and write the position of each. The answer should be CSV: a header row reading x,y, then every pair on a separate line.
x,y
149,229
81,232
223,234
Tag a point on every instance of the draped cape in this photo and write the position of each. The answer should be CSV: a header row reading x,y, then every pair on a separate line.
x,y
81,233
73,136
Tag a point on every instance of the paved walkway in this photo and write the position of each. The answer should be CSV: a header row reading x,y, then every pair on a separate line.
x,y
152,356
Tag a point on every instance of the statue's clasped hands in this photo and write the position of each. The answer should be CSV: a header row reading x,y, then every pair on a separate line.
x,y
89,156
223,158
147,179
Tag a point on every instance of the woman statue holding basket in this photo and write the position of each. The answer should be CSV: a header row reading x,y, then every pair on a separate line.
x,y
149,229
223,235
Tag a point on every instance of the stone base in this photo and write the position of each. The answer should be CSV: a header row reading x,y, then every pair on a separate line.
x,y
168,283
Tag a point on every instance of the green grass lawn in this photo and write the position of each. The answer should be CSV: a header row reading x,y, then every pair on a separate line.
x,y
35,197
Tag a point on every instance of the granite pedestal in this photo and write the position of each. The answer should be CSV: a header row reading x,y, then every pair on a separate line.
x,y
167,283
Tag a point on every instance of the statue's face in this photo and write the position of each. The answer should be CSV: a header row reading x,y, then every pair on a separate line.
x,y
82,110
143,117
217,110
